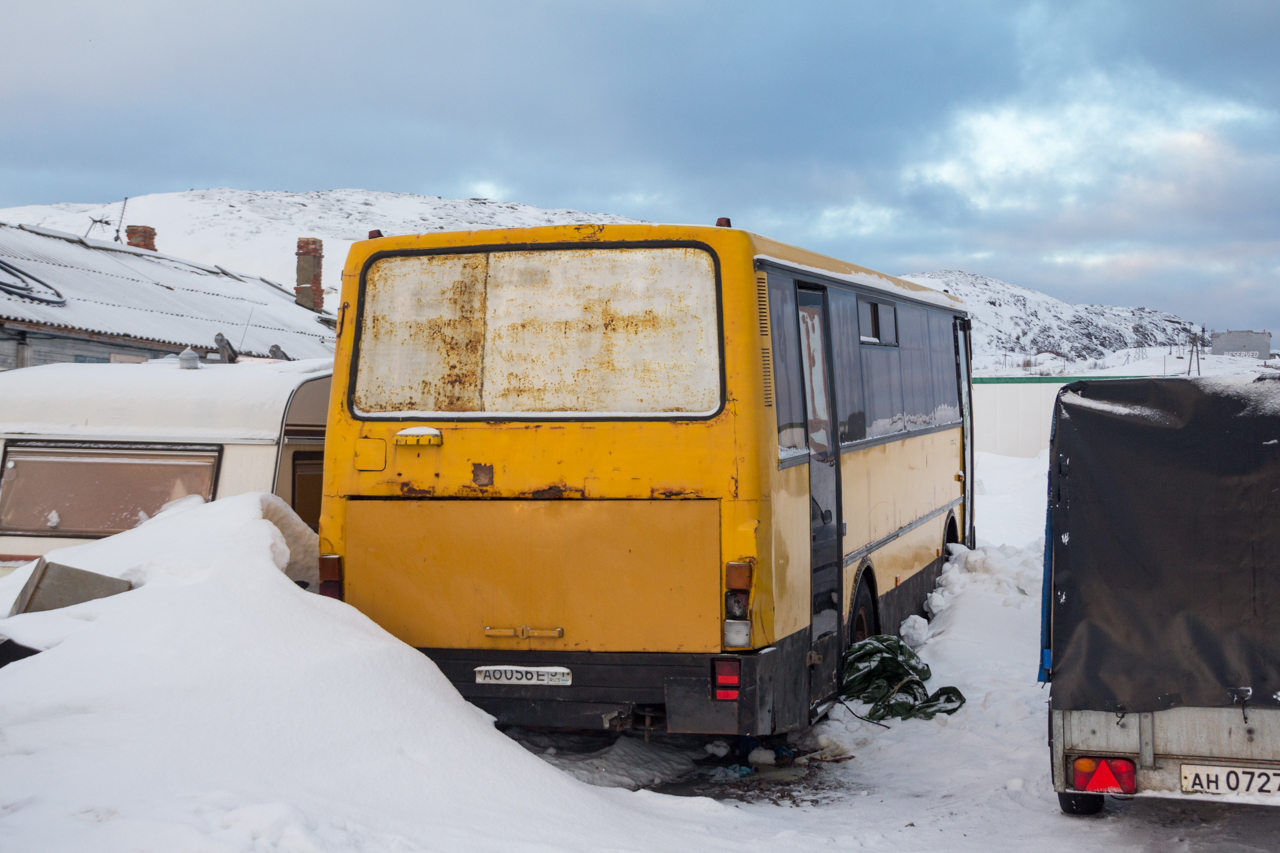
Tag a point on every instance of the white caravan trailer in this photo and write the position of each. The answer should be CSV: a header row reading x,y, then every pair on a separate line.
x,y
88,450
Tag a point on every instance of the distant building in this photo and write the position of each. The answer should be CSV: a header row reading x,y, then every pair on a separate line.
x,y
1251,344
65,298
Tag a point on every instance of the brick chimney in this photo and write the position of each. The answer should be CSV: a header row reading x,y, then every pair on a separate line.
x,y
141,236
310,259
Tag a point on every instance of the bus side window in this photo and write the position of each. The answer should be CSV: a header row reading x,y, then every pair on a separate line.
x,y
881,369
942,347
787,381
851,411
917,370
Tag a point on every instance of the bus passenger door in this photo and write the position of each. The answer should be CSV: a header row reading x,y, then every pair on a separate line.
x,y
967,535
824,508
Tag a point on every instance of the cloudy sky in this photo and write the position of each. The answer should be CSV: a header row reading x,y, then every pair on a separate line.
x,y
1118,153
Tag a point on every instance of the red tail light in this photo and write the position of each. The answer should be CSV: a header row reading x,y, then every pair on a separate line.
x,y
331,575
726,678
1104,775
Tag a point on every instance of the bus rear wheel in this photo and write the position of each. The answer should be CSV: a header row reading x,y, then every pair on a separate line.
x,y
862,622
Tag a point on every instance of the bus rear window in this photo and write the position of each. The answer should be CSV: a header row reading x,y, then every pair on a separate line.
x,y
564,332
93,492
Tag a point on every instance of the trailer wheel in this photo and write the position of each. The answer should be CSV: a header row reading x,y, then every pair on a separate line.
x,y
1080,804
862,622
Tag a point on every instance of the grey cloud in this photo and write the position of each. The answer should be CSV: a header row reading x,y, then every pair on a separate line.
x,y
855,129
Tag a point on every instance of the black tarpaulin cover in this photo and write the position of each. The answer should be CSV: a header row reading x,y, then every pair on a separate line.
x,y
1164,544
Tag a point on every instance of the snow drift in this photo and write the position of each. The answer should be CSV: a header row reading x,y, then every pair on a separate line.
x,y
217,706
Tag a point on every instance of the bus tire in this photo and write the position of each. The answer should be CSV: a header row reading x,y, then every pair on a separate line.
x,y
1080,804
862,616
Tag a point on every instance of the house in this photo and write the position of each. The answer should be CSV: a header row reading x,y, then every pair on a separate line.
x,y
1252,344
65,298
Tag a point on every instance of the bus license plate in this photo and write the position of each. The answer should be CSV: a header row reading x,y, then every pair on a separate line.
x,y
540,676
1214,779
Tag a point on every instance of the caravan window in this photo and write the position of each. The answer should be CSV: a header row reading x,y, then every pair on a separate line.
x,y
79,491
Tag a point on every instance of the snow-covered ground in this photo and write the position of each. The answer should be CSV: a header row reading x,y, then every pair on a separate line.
x,y
1137,361
218,707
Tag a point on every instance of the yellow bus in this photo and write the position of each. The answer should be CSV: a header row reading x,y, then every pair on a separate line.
x,y
650,476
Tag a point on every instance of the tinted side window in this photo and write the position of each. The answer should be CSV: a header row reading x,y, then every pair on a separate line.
x,y
888,326
867,320
942,350
882,379
787,381
917,367
851,412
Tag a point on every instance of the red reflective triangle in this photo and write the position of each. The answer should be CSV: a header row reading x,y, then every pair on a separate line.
x,y
1103,781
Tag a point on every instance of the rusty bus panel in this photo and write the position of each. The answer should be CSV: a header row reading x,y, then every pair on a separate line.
x,y
556,332
422,335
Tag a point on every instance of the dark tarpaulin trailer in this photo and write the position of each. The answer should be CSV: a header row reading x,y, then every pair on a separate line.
x,y
1162,551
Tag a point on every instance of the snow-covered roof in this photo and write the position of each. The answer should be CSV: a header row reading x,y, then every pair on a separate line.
x,y
237,403
62,280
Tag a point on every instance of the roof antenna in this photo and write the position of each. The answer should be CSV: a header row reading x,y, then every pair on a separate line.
x,y
95,221
246,328
121,222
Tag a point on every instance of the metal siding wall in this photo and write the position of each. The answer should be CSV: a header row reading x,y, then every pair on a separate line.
x,y
1013,419
62,350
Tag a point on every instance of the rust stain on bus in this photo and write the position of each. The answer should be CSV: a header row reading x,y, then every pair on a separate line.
x,y
553,492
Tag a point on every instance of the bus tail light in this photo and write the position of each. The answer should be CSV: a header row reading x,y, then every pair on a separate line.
x,y
331,575
737,576
735,605
1103,775
726,678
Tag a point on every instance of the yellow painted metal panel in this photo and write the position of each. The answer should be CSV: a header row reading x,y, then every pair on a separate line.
x,y
371,454
906,555
792,574
614,576
888,486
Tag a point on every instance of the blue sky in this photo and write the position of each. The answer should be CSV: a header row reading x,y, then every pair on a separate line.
x,y
1116,153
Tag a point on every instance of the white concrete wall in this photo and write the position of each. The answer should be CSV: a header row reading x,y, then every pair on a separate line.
x,y
1013,418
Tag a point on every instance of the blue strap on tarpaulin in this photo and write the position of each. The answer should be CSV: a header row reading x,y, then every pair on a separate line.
x,y
1046,589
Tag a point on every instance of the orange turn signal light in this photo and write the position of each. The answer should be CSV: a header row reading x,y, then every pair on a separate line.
x,y
737,576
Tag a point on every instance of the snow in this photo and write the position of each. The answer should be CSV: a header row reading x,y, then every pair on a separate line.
x,y
218,707
103,288
1120,409
158,400
258,231
1169,361
1009,319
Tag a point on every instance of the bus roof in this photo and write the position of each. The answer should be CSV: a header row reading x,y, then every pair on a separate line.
x,y
762,248
227,403
804,260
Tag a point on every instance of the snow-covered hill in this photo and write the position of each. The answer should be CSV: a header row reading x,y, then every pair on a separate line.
x,y
1012,319
257,231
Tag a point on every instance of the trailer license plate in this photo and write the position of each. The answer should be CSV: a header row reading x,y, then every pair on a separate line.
x,y
1213,779
541,676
